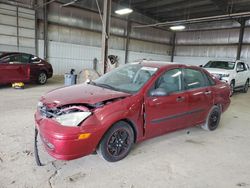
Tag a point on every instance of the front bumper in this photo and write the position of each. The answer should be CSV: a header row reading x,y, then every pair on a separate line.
x,y
62,142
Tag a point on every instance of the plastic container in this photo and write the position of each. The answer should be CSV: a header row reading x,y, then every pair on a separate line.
x,y
70,78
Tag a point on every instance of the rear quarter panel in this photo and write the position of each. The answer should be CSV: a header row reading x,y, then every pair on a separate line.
x,y
222,95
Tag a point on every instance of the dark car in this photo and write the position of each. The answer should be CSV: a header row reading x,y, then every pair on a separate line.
x,y
22,67
127,105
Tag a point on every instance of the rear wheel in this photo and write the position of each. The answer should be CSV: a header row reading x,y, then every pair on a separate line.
x,y
117,142
245,89
42,78
213,119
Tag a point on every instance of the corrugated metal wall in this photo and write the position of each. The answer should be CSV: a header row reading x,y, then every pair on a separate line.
x,y
17,29
197,47
75,39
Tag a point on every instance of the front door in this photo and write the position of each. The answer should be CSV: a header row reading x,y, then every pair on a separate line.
x,y
166,113
13,70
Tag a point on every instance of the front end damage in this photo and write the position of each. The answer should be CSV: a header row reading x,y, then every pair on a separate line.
x,y
70,131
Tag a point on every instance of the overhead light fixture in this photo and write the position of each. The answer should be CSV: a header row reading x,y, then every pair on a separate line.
x,y
177,27
124,11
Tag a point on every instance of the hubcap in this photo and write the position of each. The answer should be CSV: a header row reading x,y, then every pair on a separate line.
x,y
119,142
42,78
213,120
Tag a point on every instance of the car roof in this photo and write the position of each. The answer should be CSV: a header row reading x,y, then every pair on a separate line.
x,y
10,53
165,64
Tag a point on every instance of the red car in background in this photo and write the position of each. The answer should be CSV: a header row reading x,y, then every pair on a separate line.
x,y
22,67
131,103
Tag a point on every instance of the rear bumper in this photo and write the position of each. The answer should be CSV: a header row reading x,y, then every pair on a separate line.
x,y
63,143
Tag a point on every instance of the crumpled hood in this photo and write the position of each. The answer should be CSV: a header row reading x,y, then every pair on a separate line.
x,y
218,71
80,94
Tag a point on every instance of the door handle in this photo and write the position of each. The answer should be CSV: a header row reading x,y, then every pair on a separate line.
x,y
180,99
207,92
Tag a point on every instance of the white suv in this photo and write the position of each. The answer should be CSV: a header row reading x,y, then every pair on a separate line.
x,y
235,73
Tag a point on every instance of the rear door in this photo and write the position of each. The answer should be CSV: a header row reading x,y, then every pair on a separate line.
x,y
200,95
166,113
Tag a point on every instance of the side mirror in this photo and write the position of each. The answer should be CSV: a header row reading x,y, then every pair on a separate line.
x,y
35,60
158,92
200,65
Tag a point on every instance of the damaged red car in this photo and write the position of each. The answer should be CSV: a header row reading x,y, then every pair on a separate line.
x,y
22,67
131,103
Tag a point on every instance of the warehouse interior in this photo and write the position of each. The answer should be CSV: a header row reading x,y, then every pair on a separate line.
x,y
74,34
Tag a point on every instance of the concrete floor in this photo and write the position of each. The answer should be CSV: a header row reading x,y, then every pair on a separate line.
x,y
219,159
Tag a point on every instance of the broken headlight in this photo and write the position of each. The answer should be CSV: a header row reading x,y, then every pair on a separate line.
x,y
72,119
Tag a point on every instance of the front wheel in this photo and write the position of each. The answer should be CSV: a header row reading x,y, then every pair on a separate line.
x,y
232,88
245,89
213,119
42,78
117,142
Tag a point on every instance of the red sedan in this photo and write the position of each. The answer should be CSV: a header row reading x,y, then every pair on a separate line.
x,y
128,105
22,67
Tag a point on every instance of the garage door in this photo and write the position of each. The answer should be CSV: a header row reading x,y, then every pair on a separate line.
x,y
17,29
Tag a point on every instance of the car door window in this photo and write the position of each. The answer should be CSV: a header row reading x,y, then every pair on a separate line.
x,y
25,58
170,81
241,67
194,79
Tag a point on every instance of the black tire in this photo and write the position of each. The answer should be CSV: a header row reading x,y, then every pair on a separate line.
x,y
117,142
42,78
213,119
232,85
245,88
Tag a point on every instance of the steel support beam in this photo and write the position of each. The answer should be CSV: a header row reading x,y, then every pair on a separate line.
x,y
105,33
127,40
173,46
241,35
45,30
17,27
36,27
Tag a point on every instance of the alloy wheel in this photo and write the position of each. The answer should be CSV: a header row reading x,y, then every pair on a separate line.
x,y
118,143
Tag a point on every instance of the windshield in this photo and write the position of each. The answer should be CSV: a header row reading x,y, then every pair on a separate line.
x,y
220,65
128,78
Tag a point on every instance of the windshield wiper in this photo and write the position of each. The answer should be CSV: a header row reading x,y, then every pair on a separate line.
x,y
104,85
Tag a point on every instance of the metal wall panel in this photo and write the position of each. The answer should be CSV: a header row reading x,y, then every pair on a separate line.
x,y
29,33
135,56
65,56
149,47
26,23
197,60
245,53
79,18
8,30
73,35
246,38
150,34
208,37
8,20
207,51
26,42
17,29
9,40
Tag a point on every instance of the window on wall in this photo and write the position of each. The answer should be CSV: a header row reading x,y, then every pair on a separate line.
x,y
194,79
170,81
